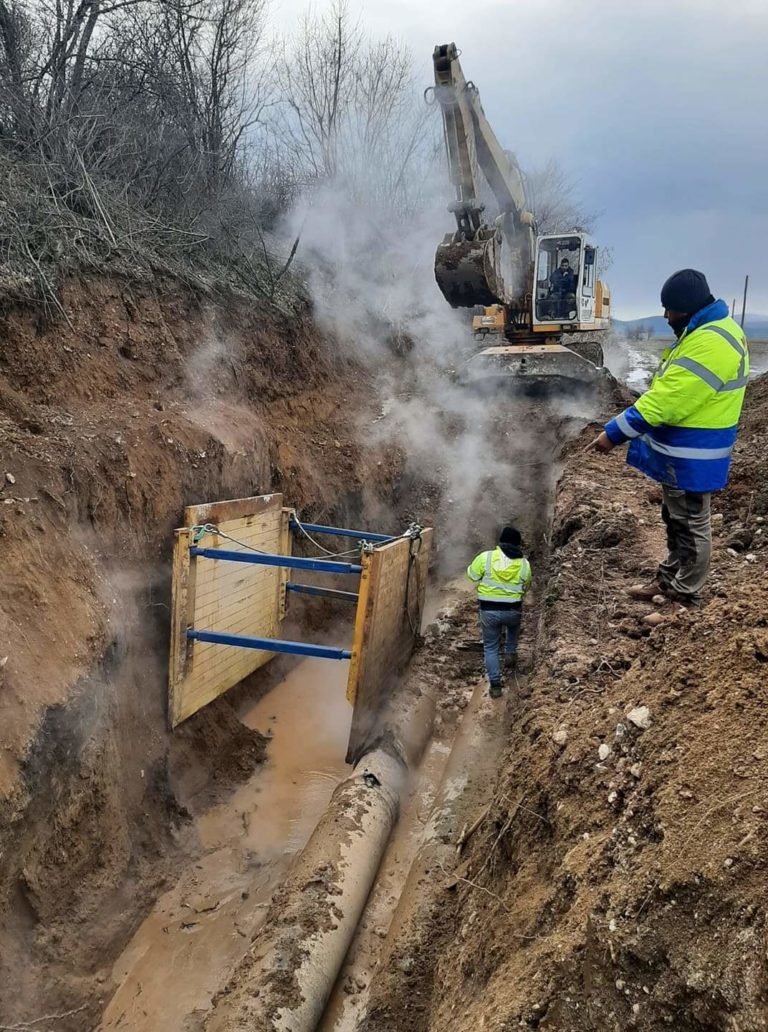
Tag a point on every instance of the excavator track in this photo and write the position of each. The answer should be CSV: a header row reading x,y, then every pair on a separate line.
x,y
533,369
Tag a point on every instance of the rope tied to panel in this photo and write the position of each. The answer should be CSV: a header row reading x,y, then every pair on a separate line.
x,y
201,529
414,532
328,561
218,606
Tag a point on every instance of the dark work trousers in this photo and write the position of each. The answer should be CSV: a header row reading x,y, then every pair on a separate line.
x,y
494,623
689,541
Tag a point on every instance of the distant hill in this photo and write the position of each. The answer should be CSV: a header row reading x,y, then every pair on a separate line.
x,y
755,325
656,324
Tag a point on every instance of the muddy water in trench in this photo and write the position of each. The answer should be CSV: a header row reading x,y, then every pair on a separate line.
x,y
198,930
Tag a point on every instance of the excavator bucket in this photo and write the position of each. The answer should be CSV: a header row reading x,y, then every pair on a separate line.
x,y
535,369
465,271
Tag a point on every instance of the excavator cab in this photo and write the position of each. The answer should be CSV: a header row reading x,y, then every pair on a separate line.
x,y
565,283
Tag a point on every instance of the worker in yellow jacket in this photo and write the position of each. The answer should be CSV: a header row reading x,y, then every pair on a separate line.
x,y
502,576
681,432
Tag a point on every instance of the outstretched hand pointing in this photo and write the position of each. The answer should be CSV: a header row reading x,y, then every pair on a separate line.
x,y
601,443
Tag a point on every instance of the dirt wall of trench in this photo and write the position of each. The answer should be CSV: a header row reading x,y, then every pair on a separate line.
x,y
138,400
619,879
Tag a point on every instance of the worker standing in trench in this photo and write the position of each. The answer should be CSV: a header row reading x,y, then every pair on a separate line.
x,y
683,429
502,576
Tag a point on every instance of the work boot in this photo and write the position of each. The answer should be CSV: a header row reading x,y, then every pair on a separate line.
x,y
672,611
689,601
645,592
657,619
495,689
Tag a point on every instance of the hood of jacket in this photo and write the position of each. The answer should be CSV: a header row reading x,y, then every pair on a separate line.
x,y
511,551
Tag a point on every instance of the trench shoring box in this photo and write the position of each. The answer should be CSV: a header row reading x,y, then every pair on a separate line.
x,y
247,600
229,597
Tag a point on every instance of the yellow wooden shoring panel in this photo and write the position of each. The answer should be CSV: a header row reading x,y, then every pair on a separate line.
x,y
384,638
250,599
228,597
362,620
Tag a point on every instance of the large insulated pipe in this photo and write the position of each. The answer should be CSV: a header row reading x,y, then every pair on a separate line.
x,y
466,785
285,979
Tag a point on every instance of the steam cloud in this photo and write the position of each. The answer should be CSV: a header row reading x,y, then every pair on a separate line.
x,y
371,279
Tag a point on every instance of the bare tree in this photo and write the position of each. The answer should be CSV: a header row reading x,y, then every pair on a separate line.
x,y
125,126
15,43
45,56
390,138
552,194
216,64
317,80
145,91
159,124
352,112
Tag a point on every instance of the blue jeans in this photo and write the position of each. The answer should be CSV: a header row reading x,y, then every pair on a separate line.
x,y
493,624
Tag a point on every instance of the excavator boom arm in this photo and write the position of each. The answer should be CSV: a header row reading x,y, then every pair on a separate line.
x,y
472,144
480,264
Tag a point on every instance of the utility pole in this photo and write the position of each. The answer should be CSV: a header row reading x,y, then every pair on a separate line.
x,y
744,302
733,308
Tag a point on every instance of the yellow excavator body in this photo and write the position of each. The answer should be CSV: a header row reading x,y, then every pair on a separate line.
x,y
493,320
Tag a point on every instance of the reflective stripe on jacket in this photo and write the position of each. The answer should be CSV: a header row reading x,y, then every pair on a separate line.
x,y
682,430
498,577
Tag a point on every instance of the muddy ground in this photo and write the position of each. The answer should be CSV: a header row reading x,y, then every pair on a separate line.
x,y
138,399
619,880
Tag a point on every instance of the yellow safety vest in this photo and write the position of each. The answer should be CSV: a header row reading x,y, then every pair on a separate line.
x,y
499,578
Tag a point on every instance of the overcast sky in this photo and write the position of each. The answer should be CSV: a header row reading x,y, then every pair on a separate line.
x,y
659,108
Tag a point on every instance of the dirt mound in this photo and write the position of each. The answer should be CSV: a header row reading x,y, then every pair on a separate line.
x,y
620,878
139,401
747,494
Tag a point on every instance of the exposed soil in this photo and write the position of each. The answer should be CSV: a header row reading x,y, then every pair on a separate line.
x,y
619,880
141,401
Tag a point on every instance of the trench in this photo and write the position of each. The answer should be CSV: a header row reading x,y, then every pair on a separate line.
x,y
199,931
243,846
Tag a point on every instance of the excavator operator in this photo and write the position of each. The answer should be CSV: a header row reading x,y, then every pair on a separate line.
x,y
562,288
563,280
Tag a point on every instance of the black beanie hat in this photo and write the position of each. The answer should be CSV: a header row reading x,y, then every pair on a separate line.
x,y
510,536
686,291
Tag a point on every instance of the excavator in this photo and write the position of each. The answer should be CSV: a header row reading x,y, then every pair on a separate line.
x,y
534,290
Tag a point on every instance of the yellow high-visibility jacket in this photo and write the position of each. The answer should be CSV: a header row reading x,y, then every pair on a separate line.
x,y
683,429
499,578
